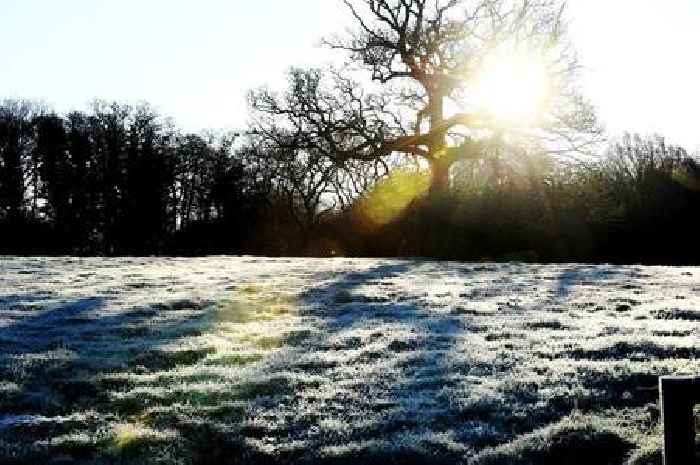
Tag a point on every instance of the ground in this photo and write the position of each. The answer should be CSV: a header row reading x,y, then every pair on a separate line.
x,y
258,360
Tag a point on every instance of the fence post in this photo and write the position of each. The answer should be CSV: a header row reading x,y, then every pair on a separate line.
x,y
678,396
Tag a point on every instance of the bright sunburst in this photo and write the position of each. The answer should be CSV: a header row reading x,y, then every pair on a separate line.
x,y
512,88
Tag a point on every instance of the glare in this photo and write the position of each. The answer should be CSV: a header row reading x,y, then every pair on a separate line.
x,y
511,88
391,196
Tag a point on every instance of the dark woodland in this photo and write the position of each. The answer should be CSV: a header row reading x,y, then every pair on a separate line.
x,y
122,180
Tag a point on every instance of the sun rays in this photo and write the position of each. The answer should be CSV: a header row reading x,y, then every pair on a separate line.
x,y
511,88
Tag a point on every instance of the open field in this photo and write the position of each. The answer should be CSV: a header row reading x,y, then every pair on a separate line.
x,y
253,360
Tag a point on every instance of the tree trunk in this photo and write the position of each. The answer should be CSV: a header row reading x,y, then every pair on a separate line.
x,y
439,177
439,166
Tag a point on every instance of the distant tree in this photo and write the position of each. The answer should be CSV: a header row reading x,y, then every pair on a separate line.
x,y
85,184
51,154
357,178
421,53
109,139
16,145
306,182
238,182
199,164
148,173
647,179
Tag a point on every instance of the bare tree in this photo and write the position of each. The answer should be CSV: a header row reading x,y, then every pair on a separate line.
x,y
424,55
306,182
19,180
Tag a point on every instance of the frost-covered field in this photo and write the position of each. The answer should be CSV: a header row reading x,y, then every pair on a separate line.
x,y
253,360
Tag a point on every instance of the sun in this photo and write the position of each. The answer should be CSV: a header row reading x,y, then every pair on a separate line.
x,y
511,88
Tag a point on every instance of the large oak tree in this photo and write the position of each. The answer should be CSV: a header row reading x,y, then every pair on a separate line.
x,y
422,61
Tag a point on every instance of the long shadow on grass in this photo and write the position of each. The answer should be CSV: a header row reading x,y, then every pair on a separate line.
x,y
572,276
626,388
53,357
401,385
391,362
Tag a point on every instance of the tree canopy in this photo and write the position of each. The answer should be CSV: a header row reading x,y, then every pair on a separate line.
x,y
426,59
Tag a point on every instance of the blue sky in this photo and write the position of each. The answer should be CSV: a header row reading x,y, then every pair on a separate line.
x,y
195,60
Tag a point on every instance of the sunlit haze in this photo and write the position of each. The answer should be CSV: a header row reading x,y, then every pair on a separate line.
x,y
511,87
196,60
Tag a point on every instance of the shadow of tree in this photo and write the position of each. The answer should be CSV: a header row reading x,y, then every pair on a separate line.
x,y
407,351
57,360
408,405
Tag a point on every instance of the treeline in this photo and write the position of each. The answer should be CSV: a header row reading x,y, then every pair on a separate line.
x,y
123,180
638,203
116,180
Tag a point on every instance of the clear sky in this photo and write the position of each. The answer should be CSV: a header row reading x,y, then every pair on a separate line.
x,y
195,60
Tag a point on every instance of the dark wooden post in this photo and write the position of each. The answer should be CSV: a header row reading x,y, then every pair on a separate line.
x,y
678,396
